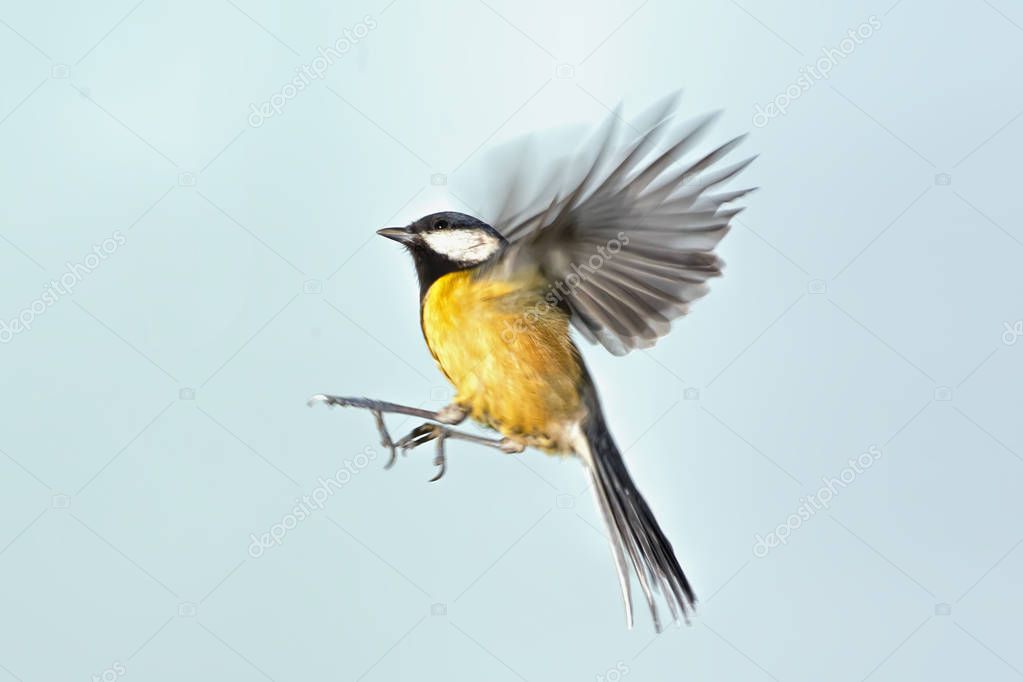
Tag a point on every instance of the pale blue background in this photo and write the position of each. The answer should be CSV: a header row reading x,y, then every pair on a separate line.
x,y
864,304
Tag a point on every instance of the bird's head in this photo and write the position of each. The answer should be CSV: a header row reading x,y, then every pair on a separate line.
x,y
445,242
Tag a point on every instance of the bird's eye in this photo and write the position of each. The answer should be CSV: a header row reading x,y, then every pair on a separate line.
x,y
440,224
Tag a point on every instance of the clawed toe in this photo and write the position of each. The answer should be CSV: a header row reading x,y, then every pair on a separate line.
x,y
424,433
440,461
385,438
339,401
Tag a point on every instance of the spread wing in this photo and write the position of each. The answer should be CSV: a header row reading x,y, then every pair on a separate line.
x,y
627,242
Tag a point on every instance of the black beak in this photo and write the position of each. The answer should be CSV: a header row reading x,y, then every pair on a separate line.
x,y
402,235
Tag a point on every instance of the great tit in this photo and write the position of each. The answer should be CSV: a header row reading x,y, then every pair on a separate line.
x,y
618,254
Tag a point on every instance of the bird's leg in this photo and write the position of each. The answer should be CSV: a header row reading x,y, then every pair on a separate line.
x,y
452,414
424,433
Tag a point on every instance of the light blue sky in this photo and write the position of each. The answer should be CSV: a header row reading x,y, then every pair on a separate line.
x,y
224,268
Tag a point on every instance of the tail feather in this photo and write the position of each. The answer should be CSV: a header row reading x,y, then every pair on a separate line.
x,y
633,530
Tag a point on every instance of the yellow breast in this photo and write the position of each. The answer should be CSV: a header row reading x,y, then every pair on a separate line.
x,y
508,353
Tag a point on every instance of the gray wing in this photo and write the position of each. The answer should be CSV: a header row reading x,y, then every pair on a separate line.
x,y
627,242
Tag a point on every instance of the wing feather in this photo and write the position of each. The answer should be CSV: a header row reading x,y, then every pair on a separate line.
x,y
631,237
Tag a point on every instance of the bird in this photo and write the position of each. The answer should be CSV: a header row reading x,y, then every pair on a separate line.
x,y
617,251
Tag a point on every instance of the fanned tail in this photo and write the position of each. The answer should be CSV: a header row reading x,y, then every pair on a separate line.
x,y
635,536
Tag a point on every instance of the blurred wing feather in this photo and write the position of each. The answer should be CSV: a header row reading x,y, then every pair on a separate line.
x,y
631,241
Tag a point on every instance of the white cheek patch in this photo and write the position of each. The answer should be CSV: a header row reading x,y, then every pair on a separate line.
x,y
463,245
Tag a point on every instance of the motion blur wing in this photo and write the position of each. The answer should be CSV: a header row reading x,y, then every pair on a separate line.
x,y
627,240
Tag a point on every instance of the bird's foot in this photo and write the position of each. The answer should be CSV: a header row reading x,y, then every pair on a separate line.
x,y
377,409
451,414
424,433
